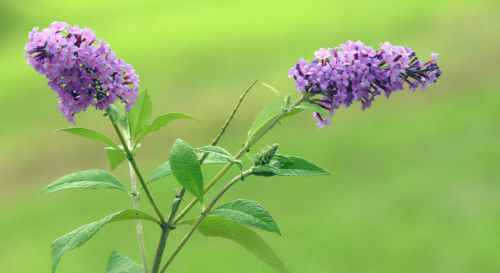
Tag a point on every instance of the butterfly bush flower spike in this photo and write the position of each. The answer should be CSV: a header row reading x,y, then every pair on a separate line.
x,y
355,72
81,69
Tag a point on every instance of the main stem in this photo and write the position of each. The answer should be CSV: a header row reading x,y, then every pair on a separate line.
x,y
202,216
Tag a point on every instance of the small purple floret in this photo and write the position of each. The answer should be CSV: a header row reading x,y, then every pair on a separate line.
x,y
81,69
354,72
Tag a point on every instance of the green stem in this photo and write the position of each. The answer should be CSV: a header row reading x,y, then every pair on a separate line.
x,y
160,248
202,216
132,162
138,223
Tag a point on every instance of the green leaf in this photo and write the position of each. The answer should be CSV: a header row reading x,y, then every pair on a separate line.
x,y
89,179
214,159
81,235
115,157
118,114
140,114
265,170
160,172
120,263
90,134
248,213
164,169
219,154
186,168
161,121
314,107
216,226
284,165
264,118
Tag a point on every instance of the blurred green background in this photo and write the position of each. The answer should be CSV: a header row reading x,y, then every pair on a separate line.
x,y
416,184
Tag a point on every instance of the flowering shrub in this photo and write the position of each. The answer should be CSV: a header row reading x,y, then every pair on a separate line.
x,y
84,71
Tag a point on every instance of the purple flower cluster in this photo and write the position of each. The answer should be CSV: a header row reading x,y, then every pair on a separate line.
x,y
355,72
81,69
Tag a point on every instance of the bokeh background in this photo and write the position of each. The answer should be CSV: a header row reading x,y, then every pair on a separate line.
x,y
416,178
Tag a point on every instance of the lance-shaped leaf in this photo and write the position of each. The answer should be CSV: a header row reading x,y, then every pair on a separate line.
x,y
313,107
140,114
164,169
161,121
248,213
264,118
81,235
219,155
216,226
118,114
284,165
120,263
160,172
89,179
115,157
90,134
186,168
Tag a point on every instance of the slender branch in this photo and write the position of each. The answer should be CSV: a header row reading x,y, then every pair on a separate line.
x,y
202,216
132,162
231,116
240,153
136,205
138,223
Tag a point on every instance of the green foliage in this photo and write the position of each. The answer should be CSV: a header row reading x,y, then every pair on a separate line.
x,y
248,213
89,179
140,114
120,263
160,172
115,157
160,122
186,168
81,235
264,118
164,170
284,165
118,114
216,226
313,107
90,134
219,155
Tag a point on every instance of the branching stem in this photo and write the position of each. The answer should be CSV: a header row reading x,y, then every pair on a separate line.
x,y
203,215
